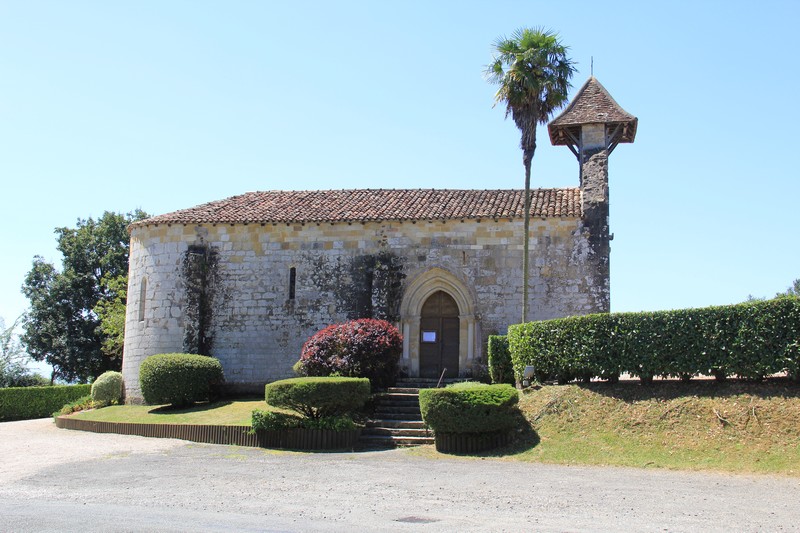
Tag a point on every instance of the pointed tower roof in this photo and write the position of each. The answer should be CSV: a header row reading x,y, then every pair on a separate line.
x,y
591,105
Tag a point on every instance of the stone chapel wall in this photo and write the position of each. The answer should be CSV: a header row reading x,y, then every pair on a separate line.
x,y
257,330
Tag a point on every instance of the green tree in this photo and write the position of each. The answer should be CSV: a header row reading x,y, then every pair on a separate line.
x,y
533,71
794,290
111,313
13,360
12,366
63,325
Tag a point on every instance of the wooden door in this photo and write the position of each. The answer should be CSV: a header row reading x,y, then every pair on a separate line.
x,y
439,337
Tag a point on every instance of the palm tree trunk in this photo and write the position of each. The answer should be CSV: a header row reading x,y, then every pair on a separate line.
x,y
527,159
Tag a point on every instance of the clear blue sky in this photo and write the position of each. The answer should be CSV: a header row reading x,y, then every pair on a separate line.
x,y
166,105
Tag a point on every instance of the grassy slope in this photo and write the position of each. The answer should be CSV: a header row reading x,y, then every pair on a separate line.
x,y
736,427
226,413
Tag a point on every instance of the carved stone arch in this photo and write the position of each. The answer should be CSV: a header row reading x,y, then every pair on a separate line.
x,y
416,294
430,281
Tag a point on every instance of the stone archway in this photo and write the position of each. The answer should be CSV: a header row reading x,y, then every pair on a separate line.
x,y
416,295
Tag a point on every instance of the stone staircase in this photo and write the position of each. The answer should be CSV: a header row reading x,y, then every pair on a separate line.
x,y
397,421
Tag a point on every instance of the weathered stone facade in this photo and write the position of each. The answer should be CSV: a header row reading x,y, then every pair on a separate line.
x,y
258,330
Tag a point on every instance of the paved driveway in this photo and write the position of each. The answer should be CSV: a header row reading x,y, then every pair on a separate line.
x,y
60,480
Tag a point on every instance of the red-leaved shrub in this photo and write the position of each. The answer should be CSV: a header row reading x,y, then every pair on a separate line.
x,y
363,348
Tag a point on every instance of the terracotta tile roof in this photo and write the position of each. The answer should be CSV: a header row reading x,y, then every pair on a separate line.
x,y
375,205
592,104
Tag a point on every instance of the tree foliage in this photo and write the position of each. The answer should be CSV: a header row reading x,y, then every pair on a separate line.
x,y
13,368
794,290
74,318
532,71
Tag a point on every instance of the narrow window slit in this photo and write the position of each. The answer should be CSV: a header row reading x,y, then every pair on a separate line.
x,y
142,298
292,282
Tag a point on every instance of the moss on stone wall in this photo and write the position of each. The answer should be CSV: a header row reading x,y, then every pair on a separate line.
x,y
201,279
365,286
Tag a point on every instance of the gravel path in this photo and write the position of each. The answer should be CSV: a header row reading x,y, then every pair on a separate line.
x,y
59,480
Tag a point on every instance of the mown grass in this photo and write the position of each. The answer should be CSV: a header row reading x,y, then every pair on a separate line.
x,y
224,413
732,427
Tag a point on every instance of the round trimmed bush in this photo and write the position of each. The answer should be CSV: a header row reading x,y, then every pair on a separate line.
x,y
107,388
469,408
363,348
179,379
319,397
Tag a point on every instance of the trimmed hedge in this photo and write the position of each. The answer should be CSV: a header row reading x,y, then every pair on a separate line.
x,y
22,403
750,340
319,397
469,408
500,368
107,388
180,379
263,420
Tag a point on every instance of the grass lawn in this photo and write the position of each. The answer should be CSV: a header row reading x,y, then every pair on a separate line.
x,y
731,427
224,413
702,425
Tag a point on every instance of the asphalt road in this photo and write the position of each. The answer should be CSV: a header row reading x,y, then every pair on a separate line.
x,y
60,480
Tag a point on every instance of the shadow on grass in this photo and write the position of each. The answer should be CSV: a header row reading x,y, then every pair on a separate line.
x,y
194,408
635,391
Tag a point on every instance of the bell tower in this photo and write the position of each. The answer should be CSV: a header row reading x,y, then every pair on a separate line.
x,y
591,126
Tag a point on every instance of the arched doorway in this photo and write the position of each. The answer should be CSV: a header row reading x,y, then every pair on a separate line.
x,y
415,296
439,336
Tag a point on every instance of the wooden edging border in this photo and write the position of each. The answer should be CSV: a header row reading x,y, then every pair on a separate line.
x,y
293,439
466,443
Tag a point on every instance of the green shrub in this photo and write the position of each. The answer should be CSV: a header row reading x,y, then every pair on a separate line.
x,y
273,421
81,404
319,397
363,348
22,403
500,367
180,379
469,408
270,420
107,389
750,340
334,423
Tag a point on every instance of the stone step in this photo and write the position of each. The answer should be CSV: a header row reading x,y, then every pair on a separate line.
x,y
416,384
397,409
397,403
388,423
415,417
395,432
387,441
424,383
403,390
398,396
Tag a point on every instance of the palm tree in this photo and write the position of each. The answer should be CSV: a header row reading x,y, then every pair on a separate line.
x,y
533,71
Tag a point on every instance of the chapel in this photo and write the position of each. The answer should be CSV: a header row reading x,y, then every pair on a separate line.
x,y
249,278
